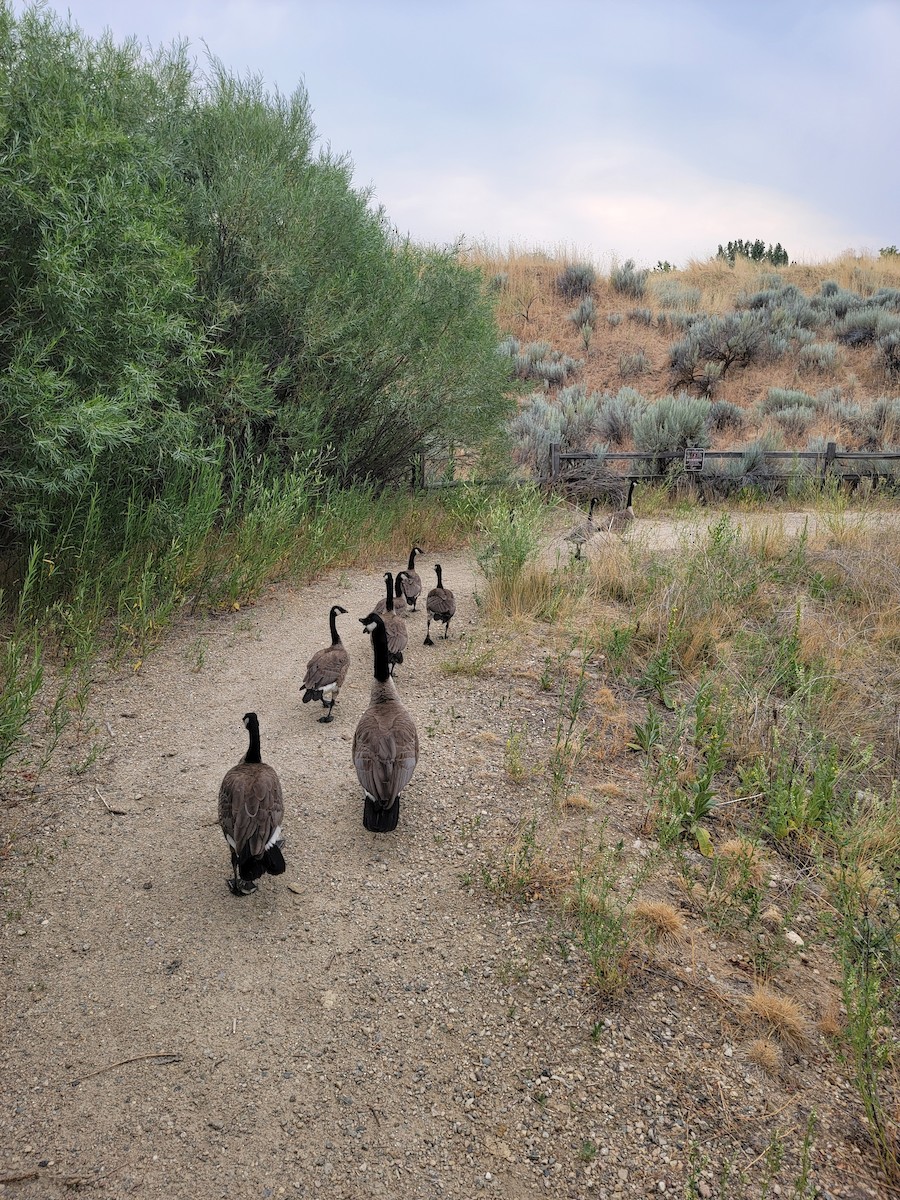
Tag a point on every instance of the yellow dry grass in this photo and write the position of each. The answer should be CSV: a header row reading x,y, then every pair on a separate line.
x,y
743,861
577,801
765,1054
611,735
657,921
611,790
782,1016
831,1023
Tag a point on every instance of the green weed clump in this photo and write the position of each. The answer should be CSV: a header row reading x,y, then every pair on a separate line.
x,y
864,922
600,911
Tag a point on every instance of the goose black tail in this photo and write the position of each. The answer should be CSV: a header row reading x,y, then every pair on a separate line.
x,y
312,694
270,862
378,819
273,861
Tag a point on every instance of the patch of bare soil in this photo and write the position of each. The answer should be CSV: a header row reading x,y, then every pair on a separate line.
x,y
375,1022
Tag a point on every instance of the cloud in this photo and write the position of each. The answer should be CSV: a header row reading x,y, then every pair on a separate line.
x,y
653,129
609,199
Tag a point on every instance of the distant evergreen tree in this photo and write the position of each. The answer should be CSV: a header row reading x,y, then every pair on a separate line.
x,y
757,251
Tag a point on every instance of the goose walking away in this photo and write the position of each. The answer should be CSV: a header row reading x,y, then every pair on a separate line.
x,y
412,583
440,604
251,809
386,742
400,605
621,520
327,670
581,533
394,626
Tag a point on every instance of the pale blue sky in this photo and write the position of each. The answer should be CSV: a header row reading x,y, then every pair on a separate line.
x,y
645,129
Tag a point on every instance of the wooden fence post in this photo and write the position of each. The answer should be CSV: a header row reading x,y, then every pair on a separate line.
x,y
830,455
554,461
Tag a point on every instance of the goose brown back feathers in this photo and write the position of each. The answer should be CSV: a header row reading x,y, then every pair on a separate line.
x,y
327,670
251,811
440,604
385,742
412,583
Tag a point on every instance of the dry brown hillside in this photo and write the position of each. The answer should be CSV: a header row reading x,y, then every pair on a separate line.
x,y
531,309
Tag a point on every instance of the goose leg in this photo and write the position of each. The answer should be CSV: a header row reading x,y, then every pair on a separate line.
x,y
329,716
237,886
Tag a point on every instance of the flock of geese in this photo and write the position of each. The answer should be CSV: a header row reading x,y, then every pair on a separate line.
x,y
385,742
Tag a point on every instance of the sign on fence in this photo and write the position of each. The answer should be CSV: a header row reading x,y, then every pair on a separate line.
x,y
693,459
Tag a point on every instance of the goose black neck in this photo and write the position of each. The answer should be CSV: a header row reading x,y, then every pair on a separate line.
x,y
380,652
630,490
593,506
389,582
253,754
412,559
398,584
437,571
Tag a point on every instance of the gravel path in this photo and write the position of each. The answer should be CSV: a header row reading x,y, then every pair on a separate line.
x,y
372,1023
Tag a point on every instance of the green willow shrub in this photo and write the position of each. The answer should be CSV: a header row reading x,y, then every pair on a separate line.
x,y
188,280
101,349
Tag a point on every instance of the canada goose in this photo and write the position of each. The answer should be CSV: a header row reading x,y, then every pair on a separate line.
x,y
327,670
440,604
412,583
251,809
619,521
386,742
395,627
400,605
583,531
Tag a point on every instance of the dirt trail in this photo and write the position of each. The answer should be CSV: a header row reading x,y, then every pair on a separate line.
x,y
367,1024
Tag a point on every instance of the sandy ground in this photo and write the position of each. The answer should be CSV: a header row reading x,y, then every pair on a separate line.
x,y
370,1024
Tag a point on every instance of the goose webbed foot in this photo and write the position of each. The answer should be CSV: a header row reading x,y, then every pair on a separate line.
x,y
241,887
327,719
428,641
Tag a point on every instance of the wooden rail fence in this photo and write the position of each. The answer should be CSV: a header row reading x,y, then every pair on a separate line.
x,y
694,459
